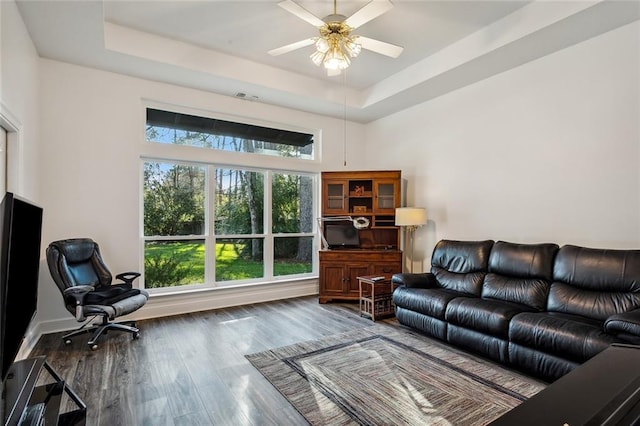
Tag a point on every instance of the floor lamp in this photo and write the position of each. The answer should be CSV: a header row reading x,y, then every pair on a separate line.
x,y
410,219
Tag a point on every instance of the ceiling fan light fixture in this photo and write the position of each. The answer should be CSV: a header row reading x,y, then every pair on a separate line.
x,y
352,48
334,47
317,57
335,59
322,45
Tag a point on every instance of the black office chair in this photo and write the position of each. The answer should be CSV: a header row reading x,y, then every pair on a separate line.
x,y
78,270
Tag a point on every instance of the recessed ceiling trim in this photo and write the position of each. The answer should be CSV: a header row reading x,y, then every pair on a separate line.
x,y
128,41
533,17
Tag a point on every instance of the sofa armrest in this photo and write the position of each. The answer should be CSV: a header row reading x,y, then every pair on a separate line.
x,y
626,323
423,280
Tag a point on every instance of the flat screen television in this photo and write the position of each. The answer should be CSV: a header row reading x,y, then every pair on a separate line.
x,y
341,235
20,235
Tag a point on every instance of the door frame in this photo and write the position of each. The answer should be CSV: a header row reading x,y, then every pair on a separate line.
x,y
14,148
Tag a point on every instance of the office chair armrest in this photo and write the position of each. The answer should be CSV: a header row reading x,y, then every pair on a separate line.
x,y
128,277
78,291
76,295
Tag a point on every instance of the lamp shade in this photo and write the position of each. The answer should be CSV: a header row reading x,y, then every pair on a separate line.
x,y
411,216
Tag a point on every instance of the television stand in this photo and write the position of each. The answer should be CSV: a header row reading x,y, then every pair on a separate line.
x,y
25,401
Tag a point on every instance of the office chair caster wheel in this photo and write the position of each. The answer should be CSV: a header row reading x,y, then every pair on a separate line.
x,y
94,347
67,342
136,336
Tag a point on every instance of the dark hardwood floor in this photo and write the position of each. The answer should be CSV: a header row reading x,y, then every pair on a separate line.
x,y
190,369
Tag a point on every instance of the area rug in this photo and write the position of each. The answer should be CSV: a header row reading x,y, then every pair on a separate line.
x,y
389,375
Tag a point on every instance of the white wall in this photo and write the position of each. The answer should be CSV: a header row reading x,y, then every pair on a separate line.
x,y
546,152
93,138
19,100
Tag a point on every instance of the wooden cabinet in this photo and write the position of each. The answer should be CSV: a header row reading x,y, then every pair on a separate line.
x,y
374,196
340,269
345,193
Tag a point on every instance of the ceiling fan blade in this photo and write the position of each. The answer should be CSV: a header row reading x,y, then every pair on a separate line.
x,y
301,12
380,47
370,11
290,47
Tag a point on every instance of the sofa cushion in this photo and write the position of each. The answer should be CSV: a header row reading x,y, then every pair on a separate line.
x,y
485,315
520,273
530,292
595,283
569,336
427,301
461,265
523,260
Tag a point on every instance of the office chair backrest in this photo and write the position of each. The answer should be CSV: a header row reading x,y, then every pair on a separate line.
x,y
77,261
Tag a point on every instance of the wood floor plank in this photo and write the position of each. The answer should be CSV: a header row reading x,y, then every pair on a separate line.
x,y
191,369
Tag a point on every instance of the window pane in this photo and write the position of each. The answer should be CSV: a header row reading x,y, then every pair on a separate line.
x,y
292,255
184,129
173,199
239,205
239,259
173,263
292,203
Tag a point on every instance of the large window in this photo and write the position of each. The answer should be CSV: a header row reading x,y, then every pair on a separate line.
x,y
214,225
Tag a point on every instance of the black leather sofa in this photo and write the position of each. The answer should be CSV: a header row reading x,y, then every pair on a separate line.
x,y
536,307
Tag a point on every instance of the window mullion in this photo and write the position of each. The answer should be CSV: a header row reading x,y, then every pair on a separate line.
x,y
268,226
210,237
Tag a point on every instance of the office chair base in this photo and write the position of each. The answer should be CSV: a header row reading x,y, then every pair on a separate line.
x,y
103,328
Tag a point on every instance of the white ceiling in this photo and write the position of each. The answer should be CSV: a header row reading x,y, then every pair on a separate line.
x,y
221,46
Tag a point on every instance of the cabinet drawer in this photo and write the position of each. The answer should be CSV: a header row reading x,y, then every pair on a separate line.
x,y
369,256
387,269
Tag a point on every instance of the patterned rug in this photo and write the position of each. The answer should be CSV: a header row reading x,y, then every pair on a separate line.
x,y
389,375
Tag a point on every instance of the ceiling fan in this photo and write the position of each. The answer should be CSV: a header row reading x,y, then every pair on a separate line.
x,y
336,45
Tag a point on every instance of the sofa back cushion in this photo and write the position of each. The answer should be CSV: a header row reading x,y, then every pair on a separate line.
x,y
520,273
595,283
461,265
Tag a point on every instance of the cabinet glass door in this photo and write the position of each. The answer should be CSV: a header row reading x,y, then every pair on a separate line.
x,y
386,193
335,197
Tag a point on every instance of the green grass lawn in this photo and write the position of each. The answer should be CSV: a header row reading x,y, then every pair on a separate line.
x,y
180,263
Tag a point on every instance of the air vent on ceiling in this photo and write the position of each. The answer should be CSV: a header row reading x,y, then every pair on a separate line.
x,y
246,97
